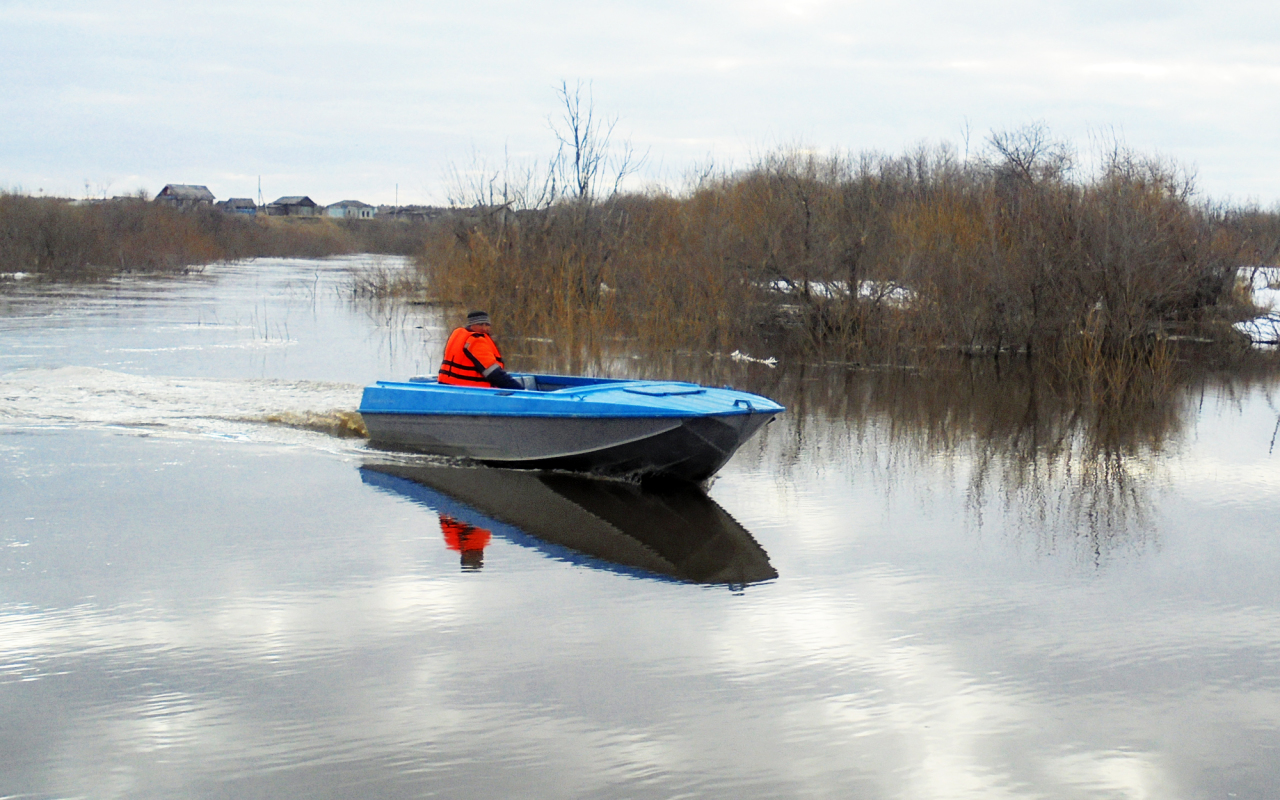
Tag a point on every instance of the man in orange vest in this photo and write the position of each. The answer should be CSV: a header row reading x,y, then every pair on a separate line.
x,y
471,357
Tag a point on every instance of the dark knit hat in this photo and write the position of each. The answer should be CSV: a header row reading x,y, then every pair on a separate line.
x,y
477,318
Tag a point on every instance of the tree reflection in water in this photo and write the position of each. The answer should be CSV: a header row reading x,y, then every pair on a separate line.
x,y
1072,467
1073,464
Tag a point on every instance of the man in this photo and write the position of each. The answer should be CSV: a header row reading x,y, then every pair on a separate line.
x,y
471,357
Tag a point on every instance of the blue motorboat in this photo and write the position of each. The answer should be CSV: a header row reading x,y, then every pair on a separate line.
x,y
621,428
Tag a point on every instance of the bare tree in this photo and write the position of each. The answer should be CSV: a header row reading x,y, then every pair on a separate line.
x,y
1030,153
513,186
584,156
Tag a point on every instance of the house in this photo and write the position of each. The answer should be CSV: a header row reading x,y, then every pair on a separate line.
x,y
238,205
182,195
293,207
349,209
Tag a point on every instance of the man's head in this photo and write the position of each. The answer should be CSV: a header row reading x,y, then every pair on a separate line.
x,y
478,321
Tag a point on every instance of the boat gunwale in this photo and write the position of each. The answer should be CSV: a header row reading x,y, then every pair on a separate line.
x,y
577,401
568,415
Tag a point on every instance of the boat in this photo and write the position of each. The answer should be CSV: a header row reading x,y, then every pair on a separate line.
x,y
630,429
673,532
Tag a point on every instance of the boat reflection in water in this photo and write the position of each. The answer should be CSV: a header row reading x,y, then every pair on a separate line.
x,y
674,532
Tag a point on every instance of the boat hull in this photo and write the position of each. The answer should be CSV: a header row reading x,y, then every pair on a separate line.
x,y
628,429
688,449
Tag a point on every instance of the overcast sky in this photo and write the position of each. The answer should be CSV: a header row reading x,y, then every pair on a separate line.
x,y
348,99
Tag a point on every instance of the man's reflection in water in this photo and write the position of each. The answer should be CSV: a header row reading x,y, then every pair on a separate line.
x,y
468,540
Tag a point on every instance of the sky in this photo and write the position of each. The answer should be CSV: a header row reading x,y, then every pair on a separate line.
x,y
386,101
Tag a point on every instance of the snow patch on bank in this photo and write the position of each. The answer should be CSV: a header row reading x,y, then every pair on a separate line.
x,y
1264,283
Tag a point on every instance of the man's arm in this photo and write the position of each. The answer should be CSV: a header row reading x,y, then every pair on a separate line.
x,y
499,379
493,372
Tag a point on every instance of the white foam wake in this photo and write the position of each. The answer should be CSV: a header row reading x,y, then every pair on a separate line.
x,y
89,397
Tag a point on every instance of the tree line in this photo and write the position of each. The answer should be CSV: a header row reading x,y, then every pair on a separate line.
x,y
60,239
871,257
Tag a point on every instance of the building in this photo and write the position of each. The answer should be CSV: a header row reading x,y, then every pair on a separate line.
x,y
182,195
349,209
238,205
293,207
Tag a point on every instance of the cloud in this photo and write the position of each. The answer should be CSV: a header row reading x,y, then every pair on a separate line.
x,y
349,100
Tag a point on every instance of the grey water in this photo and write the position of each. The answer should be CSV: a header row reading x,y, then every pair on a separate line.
x,y
901,589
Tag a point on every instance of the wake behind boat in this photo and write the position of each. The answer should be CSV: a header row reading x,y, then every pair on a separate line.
x,y
619,428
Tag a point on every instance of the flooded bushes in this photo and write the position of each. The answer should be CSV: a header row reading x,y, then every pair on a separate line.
x,y
48,236
57,238
874,258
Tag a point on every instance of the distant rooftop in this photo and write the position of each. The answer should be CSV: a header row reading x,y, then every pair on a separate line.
x,y
185,191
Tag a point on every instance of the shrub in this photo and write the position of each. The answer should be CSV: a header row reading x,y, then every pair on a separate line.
x,y
872,257
60,239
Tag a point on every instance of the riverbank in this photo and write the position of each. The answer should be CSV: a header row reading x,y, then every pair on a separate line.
x,y
55,238
866,259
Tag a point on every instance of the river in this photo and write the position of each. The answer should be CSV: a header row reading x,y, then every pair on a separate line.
x,y
904,588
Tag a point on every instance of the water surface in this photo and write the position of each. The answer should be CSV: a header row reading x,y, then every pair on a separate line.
x,y
978,593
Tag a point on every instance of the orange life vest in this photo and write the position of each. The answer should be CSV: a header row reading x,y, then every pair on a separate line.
x,y
468,357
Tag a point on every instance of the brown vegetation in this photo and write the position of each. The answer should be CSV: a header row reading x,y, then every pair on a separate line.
x,y
874,258
59,239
